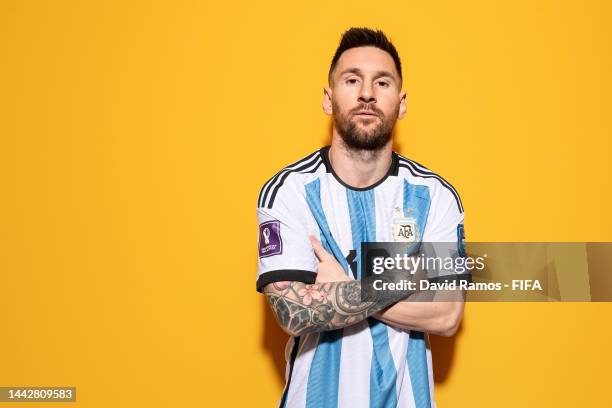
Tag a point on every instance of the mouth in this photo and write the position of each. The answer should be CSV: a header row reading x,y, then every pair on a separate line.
x,y
366,114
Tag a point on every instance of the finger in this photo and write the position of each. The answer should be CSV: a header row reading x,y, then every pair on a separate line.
x,y
319,251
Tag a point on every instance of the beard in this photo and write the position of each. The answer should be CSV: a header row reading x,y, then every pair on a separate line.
x,y
358,133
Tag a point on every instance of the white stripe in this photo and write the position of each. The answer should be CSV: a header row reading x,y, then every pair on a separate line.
x,y
299,379
387,196
288,348
355,362
406,397
335,207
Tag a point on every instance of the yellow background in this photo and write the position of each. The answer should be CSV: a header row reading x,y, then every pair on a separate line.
x,y
135,136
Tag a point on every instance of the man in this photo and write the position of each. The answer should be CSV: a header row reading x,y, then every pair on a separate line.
x,y
345,351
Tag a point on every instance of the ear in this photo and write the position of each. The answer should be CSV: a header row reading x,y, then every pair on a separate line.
x,y
402,105
327,101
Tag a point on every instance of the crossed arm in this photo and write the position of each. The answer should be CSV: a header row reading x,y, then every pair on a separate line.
x,y
442,316
335,301
303,308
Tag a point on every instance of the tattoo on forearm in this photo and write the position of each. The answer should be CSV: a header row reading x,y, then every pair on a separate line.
x,y
304,308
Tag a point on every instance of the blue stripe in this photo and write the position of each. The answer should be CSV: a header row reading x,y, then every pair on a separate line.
x,y
313,198
324,375
383,376
363,228
416,204
417,172
417,366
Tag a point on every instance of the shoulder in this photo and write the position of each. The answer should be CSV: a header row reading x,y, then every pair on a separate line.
x,y
441,189
290,177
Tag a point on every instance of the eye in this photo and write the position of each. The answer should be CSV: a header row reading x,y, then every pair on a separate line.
x,y
383,84
351,81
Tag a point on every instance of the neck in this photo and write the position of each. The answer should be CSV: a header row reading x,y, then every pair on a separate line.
x,y
359,168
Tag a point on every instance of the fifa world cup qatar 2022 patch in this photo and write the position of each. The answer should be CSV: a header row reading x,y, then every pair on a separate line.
x,y
270,242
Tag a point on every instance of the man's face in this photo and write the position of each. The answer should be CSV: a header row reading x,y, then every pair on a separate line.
x,y
365,99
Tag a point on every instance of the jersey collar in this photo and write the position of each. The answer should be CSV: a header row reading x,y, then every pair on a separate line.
x,y
393,170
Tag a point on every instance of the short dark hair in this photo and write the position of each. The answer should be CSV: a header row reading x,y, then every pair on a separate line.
x,y
364,37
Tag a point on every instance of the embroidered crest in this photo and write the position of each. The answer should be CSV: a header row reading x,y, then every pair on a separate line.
x,y
405,229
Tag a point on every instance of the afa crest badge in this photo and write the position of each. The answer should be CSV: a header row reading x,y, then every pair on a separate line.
x,y
405,229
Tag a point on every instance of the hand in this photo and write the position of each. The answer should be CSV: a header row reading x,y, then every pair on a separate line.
x,y
328,268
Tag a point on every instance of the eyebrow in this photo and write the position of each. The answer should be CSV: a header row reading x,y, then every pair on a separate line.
x,y
377,74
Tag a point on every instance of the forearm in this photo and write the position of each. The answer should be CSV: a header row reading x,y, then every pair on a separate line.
x,y
441,316
302,308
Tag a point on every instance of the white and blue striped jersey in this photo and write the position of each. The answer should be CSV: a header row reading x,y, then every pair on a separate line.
x,y
368,364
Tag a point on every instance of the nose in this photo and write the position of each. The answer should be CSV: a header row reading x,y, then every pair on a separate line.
x,y
366,95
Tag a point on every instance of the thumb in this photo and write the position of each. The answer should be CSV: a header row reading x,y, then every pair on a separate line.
x,y
319,251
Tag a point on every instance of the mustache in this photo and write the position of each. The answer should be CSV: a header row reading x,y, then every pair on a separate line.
x,y
367,108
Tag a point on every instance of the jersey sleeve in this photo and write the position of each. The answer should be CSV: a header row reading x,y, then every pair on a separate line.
x,y
444,234
446,216
284,249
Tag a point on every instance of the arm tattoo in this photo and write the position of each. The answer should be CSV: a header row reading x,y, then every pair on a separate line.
x,y
305,308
